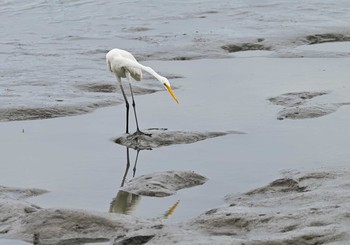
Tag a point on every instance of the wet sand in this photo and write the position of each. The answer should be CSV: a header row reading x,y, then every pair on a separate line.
x,y
76,160
298,208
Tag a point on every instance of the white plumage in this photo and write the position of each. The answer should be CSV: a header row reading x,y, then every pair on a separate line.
x,y
123,64
116,62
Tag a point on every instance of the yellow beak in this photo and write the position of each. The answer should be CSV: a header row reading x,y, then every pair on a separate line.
x,y
171,92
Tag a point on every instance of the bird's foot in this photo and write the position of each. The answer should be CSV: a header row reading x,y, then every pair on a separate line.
x,y
139,133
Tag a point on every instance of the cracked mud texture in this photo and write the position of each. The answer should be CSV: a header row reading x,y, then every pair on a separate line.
x,y
163,137
164,183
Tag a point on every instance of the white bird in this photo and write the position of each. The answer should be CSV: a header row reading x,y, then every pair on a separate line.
x,y
123,64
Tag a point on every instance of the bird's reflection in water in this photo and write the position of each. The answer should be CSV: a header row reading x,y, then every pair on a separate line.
x,y
171,210
128,165
126,202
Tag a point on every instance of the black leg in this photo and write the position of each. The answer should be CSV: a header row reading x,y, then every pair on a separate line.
x,y
134,106
127,166
137,157
126,104
138,131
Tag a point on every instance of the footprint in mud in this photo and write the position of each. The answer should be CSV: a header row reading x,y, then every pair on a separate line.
x,y
163,137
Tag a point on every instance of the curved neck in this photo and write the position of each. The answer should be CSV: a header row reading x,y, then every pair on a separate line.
x,y
152,72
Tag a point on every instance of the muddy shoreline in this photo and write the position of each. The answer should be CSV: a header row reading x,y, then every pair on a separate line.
x,y
313,95
299,105
317,214
255,153
102,94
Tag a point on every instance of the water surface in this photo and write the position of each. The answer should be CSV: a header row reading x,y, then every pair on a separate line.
x,y
76,159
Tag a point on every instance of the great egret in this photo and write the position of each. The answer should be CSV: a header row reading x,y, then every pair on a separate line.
x,y
123,64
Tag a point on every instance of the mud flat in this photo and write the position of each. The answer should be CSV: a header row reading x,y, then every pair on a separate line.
x,y
154,138
300,105
75,158
298,208
28,222
164,183
62,107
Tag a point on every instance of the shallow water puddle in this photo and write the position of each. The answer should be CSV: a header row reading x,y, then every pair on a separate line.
x,y
75,159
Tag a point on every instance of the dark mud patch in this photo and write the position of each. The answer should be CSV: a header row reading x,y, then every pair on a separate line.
x,y
210,12
183,58
303,112
114,88
300,105
136,240
163,183
62,108
98,88
295,99
326,38
163,137
231,48
32,113
138,29
178,56
148,86
170,77
316,175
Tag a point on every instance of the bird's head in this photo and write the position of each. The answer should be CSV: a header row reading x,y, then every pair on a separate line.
x,y
166,84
